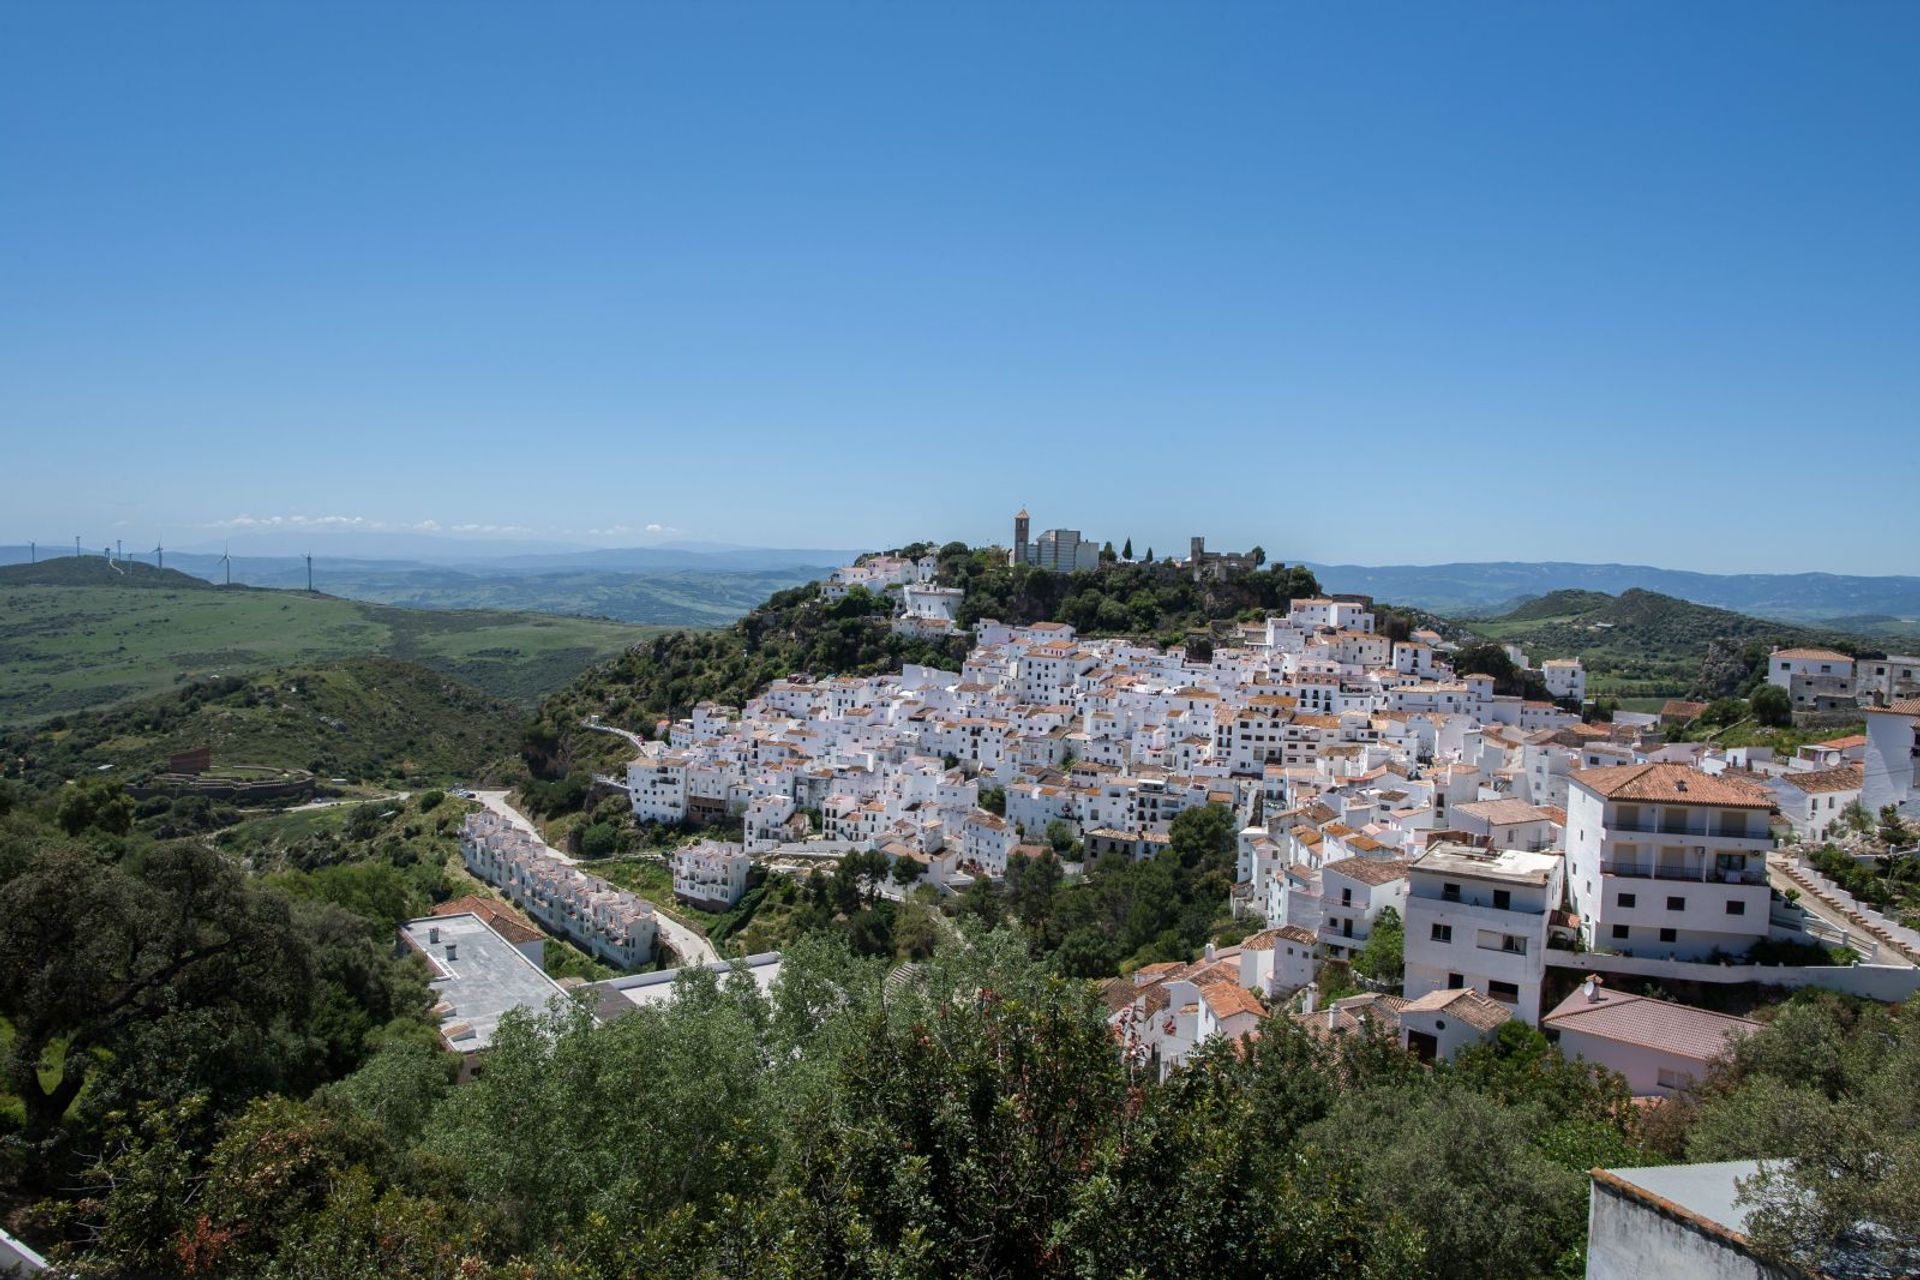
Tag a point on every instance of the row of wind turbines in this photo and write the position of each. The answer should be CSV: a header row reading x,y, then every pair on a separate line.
x,y
117,553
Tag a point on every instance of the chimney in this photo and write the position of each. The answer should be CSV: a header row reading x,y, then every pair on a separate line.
x,y
1209,951
1592,989
1312,992
453,951
433,933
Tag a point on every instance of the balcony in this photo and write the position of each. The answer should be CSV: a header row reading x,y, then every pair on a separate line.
x,y
1704,873
1695,832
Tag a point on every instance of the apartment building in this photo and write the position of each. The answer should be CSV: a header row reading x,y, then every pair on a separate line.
x,y
1353,892
1664,860
711,875
1478,918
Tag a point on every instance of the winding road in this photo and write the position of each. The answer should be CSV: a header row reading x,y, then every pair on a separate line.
x,y
687,945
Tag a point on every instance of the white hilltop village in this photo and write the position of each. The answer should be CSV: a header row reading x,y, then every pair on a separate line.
x,y
1541,867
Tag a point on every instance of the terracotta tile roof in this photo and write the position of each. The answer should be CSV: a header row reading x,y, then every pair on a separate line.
x,y
503,919
1900,707
1354,1013
1843,744
1812,655
1464,1003
1670,784
1371,871
1679,1029
1848,777
1228,1000
1502,813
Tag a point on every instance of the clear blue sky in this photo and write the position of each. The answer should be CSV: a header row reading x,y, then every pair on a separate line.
x,y
1369,283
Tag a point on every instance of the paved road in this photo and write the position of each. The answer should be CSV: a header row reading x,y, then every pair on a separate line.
x,y
689,946
639,743
335,802
496,802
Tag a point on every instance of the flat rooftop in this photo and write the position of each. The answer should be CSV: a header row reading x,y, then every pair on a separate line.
x,y
1509,866
617,996
478,976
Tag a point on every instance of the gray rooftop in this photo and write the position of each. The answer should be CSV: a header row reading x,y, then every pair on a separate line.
x,y
617,996
1705,1190
485,976
1516,866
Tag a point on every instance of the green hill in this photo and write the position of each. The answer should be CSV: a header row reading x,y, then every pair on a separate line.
x,y
367,719
1556,604
77,633
1644,644
98,571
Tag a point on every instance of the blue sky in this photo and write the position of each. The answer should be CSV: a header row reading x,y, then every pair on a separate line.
x,y
1377,283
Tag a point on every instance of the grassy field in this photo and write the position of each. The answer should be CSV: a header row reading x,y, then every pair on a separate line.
x,y
65,648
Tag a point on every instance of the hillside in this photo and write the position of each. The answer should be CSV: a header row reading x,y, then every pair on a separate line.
x,y
98,571
1477,588
366,719
1643,644
74,635
801,631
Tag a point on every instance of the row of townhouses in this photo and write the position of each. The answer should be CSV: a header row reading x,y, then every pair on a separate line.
x,y
608,922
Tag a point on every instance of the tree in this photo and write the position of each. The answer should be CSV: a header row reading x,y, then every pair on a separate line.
x,y
1258,555
907,870
97,959
1126,552
1771,705
994,800
1107,554
1893,828
1382,958
98,806
1149,559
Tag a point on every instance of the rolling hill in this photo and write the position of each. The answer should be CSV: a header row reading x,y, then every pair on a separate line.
x,y
366,719
78,633
1476,588
1647,645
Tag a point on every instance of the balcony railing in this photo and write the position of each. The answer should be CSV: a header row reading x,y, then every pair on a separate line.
x,y
1674,829
1702,874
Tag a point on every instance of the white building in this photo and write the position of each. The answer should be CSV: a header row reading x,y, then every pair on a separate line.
x,y
1816,679
1566,679
711,874
657,788
1813,800
1442,1023
1892,748
1478,918
1353,892
1664,860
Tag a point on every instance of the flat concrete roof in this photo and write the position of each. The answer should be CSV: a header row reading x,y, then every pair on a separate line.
x,y
616,996
484,977
1468,861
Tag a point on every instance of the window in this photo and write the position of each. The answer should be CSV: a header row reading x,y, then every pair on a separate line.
x,y
1513,944
1621,931
1736,908
1443,933
1502,899
1669,935
1450,892
1505,992
1668,1078
1346,897
1455,982
1627,899
1676,904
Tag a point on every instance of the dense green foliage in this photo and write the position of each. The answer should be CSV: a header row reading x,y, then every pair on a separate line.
x,y
365,719
1642,644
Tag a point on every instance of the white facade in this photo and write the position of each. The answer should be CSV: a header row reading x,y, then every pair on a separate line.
x,y
1666,861
711,874
1479,918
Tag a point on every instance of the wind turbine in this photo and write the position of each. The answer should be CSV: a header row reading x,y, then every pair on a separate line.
x,y
33,553
76,546
159,554
309,573
226,561
119,549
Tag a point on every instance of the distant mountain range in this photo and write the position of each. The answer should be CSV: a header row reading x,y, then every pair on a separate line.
x,y
1485,589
